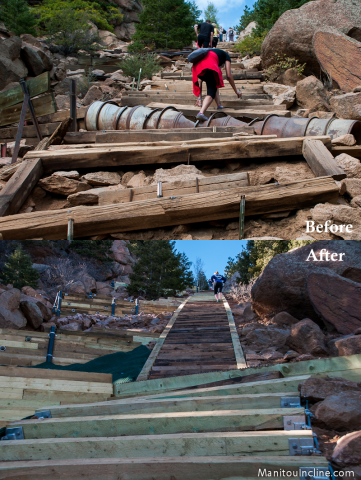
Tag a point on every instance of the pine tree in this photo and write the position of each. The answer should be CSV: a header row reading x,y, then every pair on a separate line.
x,y
17,17
251,262
165,24
18,270
211,13
159,270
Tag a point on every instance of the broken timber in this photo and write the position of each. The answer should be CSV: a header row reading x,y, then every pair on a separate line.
x,y
118,156
168,211
320,159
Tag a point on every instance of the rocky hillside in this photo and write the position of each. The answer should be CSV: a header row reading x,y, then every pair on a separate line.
x,y
288,317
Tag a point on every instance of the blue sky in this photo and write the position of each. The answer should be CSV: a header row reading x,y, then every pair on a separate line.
x,y
229,11
214,253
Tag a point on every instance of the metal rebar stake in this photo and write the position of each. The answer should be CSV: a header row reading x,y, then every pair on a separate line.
x,y
74,125
242,209
31,108
70,235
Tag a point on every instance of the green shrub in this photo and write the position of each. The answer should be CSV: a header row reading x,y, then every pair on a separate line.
x,y
17,16
280,65
104,15
147,62
250,45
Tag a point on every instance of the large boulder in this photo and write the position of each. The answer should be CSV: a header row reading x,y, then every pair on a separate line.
x,y
348,450
10,315
307,337
331,295
339,215
103,288
44,309
125,31
282,287
311,93
89,283
32,60
12,68
32,313
317,389
341,412
247,31
293,32
350,345
175,174
347,105
94,93
77,288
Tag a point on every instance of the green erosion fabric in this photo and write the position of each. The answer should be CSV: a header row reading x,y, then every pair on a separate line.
x,y
122,365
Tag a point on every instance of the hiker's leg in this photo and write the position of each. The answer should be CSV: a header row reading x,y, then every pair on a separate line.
x,y
208,77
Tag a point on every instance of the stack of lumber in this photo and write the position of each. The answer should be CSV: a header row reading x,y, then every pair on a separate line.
x,y
102,304
24,348
25,389
163,429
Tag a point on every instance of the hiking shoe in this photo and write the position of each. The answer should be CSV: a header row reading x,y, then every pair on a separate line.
x,y
200,116
220,107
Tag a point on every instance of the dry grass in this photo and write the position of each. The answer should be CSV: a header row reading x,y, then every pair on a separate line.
x,y
242,292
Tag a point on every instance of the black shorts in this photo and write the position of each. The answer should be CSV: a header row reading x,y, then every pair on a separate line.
x,y
214,42
203,41
209,77
218,287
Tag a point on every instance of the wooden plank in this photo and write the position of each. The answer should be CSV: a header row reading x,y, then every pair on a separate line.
x,y
354,151
121,156
207,184
143,375
29,131
176,134
190,110
11,393
168,405
43,105
156,423
205,139
27,345
162,468
64,114
18,359
345,364
7,404
174,445
19,187
320,160
233,105
54,384
240,358
65,398
167,211
36,86
55,374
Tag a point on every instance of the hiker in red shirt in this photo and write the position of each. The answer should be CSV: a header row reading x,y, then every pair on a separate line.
x,y
208,70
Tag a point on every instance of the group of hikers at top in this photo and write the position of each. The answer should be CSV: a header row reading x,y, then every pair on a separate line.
x,y
208,69
217,282
209,34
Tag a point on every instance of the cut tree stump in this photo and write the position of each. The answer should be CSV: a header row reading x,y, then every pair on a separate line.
x,y
339,56
336,299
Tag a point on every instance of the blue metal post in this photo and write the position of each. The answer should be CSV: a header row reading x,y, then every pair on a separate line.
x,y
113,306
136,306
49,356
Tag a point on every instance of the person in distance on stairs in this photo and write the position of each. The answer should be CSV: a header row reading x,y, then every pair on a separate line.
x,y
218,280
209,70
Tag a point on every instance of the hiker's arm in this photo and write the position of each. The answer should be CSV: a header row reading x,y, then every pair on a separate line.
x,y
231,80
196,29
